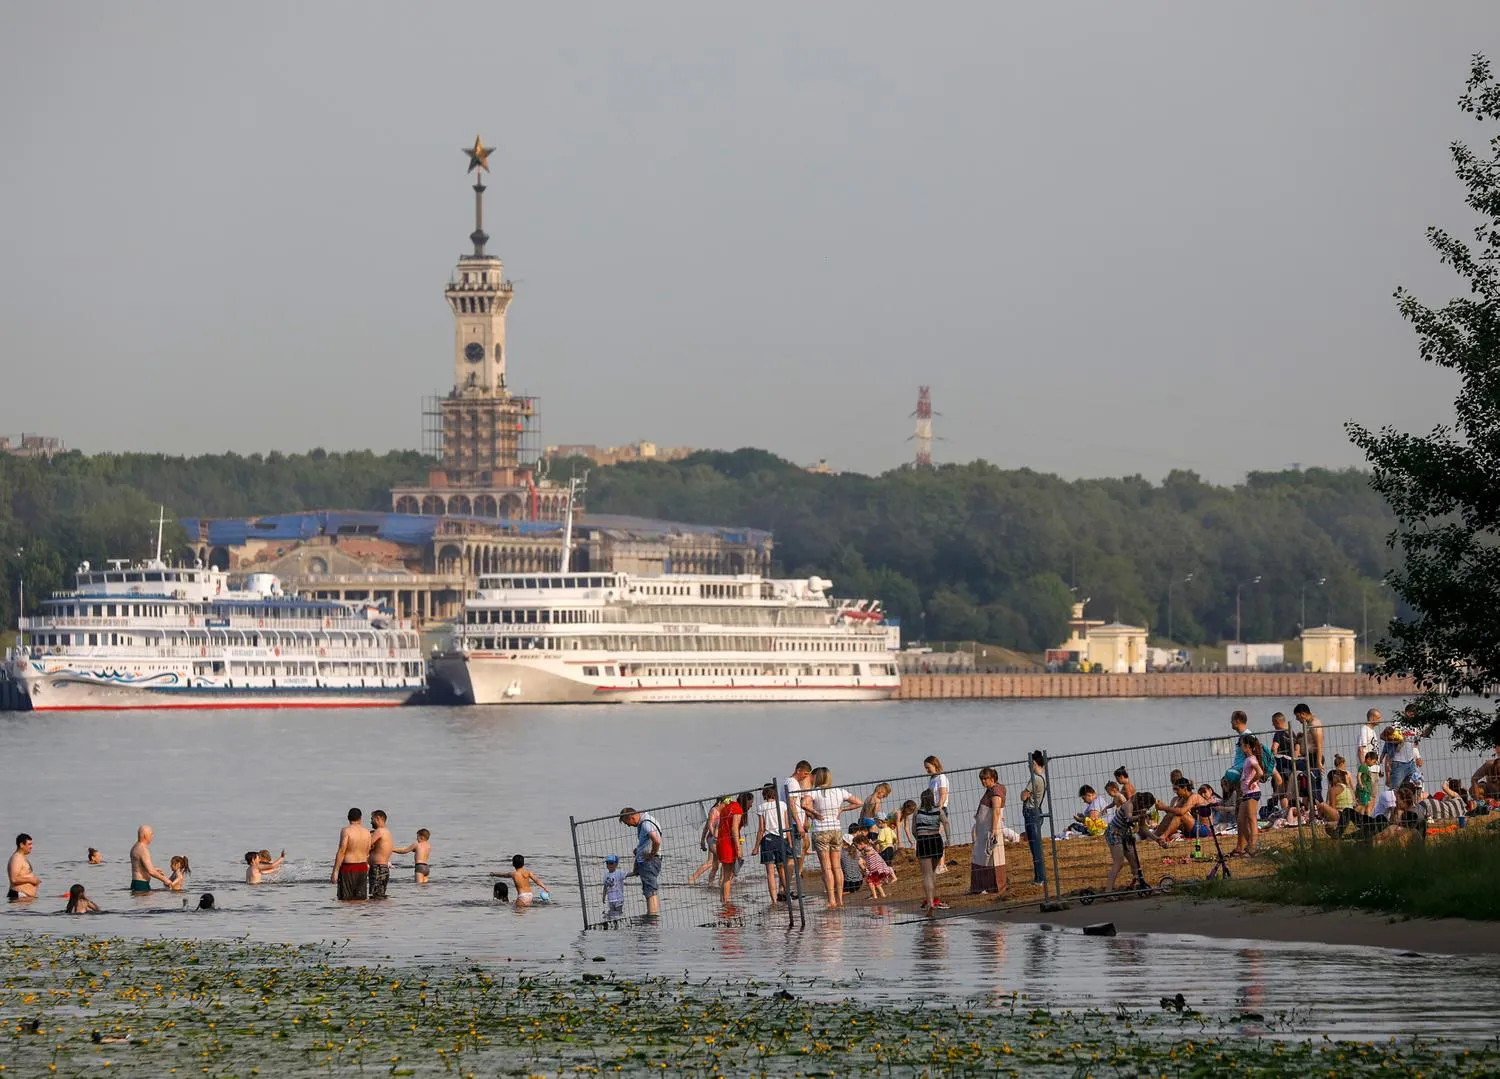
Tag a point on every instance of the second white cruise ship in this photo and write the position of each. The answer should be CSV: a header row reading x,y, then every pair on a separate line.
x,y
529,638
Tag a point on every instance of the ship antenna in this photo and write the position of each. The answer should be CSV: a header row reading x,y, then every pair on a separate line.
x,y
576,486
161,523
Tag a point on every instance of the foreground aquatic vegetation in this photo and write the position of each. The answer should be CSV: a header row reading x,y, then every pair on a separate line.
x,y
70,1005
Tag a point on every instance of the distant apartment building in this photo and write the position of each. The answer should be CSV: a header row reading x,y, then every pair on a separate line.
x,y
32,446
615,455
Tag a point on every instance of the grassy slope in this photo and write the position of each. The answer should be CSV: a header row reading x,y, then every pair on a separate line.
x,y
1447,877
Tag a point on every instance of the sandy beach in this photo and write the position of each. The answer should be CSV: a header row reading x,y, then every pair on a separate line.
x,y
1234,919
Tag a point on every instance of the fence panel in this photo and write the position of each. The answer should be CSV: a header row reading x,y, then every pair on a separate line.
x,y
1077,858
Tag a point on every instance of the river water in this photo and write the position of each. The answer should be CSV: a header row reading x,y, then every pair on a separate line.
x,y
490,782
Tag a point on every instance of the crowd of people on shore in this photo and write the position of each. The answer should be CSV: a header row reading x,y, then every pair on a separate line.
x,y
1285,778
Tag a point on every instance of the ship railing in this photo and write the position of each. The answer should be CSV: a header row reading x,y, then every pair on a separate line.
x,y
218,652
234,625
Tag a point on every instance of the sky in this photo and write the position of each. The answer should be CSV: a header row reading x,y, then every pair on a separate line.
x,y
1113,238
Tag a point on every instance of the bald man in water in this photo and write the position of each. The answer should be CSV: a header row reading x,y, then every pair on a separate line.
x,y
141,869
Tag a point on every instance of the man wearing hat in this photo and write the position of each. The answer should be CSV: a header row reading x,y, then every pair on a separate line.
x,y
647,854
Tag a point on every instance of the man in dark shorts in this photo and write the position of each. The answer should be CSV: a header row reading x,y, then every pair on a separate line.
x,y
351,865
23,881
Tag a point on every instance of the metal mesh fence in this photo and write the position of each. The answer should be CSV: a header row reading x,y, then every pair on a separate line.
x,y
1299,803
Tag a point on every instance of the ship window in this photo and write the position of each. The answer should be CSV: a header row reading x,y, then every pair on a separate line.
x,y
609,671
154,576
591,672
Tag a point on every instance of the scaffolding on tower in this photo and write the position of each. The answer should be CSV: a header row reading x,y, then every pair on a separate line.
x,y
923,434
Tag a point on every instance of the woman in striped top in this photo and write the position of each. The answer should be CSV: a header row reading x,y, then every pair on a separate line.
x,y
927,830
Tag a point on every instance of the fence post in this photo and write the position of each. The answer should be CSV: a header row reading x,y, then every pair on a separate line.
x,y
789,865
1052,823
583,900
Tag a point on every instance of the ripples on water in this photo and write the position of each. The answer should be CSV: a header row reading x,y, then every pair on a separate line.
x,y
492,782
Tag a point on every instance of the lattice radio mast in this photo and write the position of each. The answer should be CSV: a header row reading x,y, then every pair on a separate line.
x,y
923,435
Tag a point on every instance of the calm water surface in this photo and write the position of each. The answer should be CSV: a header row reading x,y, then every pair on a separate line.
x,y
496,781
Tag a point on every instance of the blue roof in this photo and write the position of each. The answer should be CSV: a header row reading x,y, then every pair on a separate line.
x,y
417,529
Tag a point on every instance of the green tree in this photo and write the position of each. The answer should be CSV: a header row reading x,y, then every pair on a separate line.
x,y
1444,488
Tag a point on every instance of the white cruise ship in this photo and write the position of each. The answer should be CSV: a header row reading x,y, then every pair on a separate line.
x,y
156,636
611,637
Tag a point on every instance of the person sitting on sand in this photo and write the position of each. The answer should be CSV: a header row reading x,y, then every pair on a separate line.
x,y
1179,817
1095,806
78,903
1122,780
1485,783
179,872
1340,795
528,884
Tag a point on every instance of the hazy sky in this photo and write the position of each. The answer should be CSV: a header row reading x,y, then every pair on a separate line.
x,y
1113,238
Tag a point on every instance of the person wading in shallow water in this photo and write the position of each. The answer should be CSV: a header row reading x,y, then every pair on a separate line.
x,y
23,882
647,854
351,866
381,843
142,872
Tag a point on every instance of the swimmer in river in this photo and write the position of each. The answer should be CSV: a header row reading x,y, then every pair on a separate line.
x,y
205,901
528,884
78,903
423,849
269,864
142,872
351,865
95,858
254,866
23,881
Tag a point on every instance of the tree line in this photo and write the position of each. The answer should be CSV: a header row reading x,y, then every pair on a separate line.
x,y
957,552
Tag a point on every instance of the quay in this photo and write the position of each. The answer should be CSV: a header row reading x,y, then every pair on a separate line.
x,y
1041,686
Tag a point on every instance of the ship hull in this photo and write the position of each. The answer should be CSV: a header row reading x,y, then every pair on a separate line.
x,y
64,693
472,680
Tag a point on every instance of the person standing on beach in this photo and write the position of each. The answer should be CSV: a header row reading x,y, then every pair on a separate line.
x,y
381,844
771,844
351,866
1033,801
647,854
142,872
1312,748
1369,735
937,783
987,852
796,804
23,882
827,804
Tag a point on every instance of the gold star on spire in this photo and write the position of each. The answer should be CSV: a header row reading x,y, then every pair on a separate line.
x,y
479,156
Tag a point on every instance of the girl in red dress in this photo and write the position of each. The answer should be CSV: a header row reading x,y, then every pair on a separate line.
x,y
727,845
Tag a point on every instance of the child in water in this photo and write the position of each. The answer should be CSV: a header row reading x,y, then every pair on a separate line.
x,y
423,849
258,862
180,870
78,903
614,887
529,886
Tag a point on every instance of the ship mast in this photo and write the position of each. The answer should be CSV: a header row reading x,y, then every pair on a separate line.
x,y
161,523
576,486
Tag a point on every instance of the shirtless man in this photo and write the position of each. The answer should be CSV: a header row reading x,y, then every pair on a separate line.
x,y
141,870
381,843
23,882
1312,741
351,869
1485,783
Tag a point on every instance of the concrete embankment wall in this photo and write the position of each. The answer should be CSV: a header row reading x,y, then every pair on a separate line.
x,y
1161,684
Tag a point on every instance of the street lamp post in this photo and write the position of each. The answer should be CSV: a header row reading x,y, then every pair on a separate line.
x,y
1237,590
1170,582
1319,583
21,606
